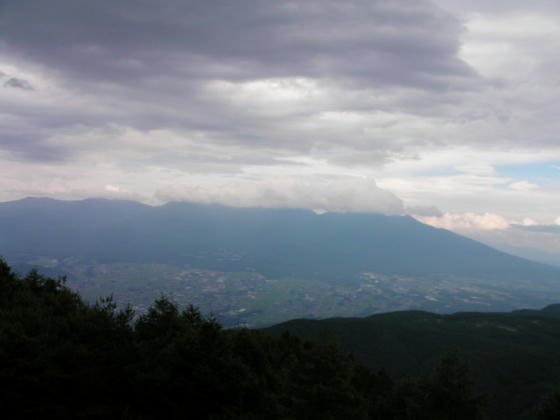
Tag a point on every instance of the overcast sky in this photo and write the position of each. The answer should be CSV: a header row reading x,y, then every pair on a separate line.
x,y
439,109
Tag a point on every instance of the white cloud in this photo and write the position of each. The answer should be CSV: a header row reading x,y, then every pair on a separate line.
x,y
494,44
528,222
320,193
522,186
112,188
467,221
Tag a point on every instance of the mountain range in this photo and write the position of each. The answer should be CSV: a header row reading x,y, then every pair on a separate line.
x,y
370,262
275,242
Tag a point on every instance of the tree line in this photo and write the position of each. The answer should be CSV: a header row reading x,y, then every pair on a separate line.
x,y
61,357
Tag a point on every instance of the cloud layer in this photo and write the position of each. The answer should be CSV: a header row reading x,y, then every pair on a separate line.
x,y
402,106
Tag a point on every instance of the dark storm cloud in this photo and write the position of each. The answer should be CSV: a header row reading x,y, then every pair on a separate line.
x,y
148,66
31,147
14,82
374,42
499,6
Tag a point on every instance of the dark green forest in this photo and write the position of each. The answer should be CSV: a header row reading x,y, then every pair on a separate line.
x,y
515,356
63,358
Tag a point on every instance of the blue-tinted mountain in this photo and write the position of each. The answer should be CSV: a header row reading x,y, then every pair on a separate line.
x,y
274,242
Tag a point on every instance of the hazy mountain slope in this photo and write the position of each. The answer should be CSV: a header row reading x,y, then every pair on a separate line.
x,y
532,254
275,242
514,355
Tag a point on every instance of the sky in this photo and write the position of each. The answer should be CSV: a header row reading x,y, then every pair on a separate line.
x,y
442,110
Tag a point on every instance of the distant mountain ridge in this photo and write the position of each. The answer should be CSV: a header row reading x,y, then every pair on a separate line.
x,y
274,242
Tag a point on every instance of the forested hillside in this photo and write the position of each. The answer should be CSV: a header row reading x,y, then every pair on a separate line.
x,y
515,356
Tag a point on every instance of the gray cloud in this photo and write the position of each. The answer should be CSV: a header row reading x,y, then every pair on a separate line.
x,y
31,147
189,65
224,99
14,82
538,228
498,6
375,42
424,211
322,193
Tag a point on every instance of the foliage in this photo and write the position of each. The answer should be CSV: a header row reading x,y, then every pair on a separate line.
x,y
62,358
549,408
514,356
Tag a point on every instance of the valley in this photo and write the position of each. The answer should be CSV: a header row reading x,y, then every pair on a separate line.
x,y
250,299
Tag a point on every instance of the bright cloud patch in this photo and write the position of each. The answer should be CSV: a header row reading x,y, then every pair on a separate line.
x,y
471,221
495,43
112,188
333,194
467,221
522,186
